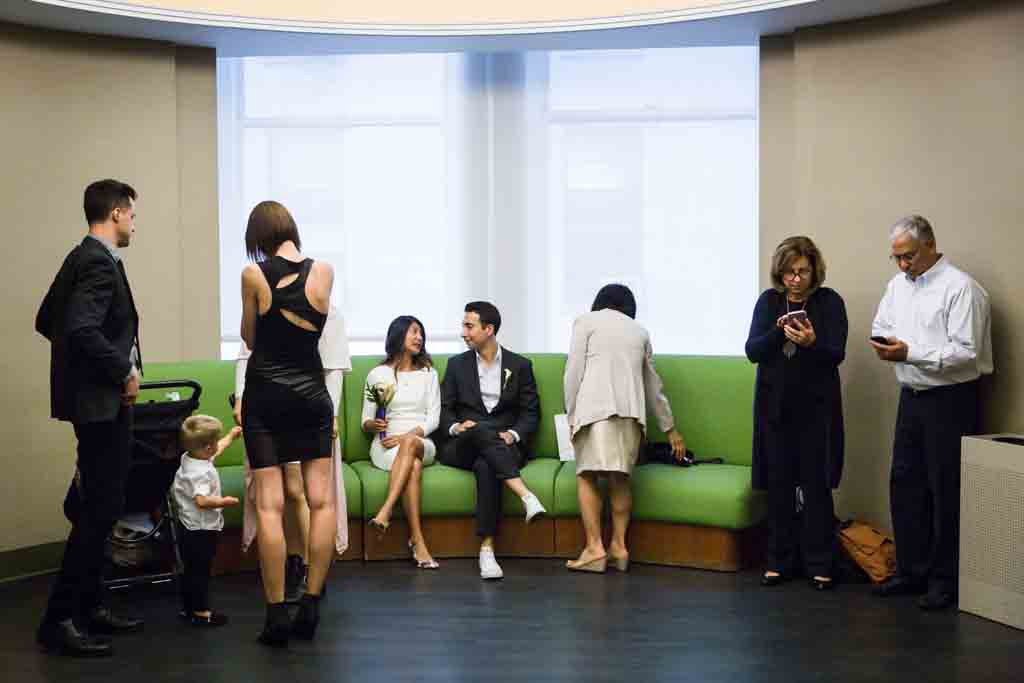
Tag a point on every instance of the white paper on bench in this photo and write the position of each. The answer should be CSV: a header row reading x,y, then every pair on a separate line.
x,y
565,450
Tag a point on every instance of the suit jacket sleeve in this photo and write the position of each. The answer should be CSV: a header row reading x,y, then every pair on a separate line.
x,y
449,399
529,404
88,306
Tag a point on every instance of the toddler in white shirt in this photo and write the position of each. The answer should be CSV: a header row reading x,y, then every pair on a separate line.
x,y
199,504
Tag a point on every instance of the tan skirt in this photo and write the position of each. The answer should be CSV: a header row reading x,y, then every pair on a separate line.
x,y
610,445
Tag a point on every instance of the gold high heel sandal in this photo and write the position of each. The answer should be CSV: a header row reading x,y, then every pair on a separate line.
x,y
597,566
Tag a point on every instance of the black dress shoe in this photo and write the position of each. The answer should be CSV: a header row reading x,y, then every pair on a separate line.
x,y
823,585
775,580
64,638
936,600
899,585
102,620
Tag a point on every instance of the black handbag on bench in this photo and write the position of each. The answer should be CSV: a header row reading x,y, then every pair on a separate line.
x,y
662,453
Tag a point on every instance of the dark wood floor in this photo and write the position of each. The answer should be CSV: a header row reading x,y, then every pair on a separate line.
x,y
387,621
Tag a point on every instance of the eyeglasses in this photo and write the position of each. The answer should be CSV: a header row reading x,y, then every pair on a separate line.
x,y
802,273
908,257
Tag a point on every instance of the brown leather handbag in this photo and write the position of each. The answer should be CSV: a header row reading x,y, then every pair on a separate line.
x,y
873,551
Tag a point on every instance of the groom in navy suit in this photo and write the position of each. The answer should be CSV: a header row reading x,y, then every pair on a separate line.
x,y
490,412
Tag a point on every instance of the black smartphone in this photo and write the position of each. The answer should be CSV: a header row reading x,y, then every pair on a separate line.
x,y
231,401
880,340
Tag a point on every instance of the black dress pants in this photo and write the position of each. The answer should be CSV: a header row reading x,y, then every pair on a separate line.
x,y
799,444
924,486
197,550
492,461
104,458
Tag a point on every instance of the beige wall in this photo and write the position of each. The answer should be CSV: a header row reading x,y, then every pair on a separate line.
x,y
76,109
863,122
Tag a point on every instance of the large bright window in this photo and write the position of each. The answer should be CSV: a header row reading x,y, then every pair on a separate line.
x,y
530,179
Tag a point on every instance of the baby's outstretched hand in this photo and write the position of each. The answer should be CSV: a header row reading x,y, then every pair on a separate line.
x,y
229,501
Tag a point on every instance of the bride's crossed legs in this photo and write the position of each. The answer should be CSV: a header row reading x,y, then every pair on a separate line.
x,y
405,481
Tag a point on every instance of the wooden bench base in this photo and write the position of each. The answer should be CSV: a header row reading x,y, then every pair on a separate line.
x,y
677,545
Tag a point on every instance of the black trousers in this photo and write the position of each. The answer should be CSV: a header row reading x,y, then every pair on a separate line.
x,y
924,486
492,461
94,502
799,443
197,551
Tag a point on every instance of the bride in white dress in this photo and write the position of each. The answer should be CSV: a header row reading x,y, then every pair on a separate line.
x,y
412,415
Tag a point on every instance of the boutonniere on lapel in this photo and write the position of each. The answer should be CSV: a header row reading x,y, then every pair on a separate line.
x,y
508,376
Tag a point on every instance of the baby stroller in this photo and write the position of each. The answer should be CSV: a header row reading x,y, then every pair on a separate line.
x,y
143,546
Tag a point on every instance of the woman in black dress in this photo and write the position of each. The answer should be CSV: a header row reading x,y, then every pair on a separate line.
x,y
798,339
287,415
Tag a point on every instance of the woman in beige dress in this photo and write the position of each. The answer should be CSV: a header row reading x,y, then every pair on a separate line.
x,y
609,382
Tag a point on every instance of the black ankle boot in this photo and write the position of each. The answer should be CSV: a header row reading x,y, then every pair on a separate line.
x,y
277,627
307,618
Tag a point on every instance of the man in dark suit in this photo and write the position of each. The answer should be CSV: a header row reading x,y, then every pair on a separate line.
x,y
90,319
490,412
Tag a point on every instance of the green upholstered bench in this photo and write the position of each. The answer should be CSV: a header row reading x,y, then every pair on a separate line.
x,y
704,516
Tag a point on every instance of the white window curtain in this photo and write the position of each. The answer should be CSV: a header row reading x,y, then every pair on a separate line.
x,y
529,179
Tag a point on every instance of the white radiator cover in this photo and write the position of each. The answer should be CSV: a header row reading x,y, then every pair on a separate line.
x,y
992,528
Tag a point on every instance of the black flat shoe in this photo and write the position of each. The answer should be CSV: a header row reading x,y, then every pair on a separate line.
x,y
769,581
823,584
64,638
102,620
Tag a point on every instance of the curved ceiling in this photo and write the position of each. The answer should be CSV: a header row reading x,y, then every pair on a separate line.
x,y
296,27
437,17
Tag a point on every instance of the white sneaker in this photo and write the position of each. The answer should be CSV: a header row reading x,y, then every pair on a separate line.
x,y
489,567
533,507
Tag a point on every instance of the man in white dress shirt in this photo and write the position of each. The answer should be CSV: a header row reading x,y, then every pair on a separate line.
x,y
935,322
490,412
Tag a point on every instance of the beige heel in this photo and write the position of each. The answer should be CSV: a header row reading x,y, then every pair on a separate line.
x,y
598,565
621,563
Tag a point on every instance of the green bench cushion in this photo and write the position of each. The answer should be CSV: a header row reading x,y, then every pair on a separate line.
x,y
232,483
705,495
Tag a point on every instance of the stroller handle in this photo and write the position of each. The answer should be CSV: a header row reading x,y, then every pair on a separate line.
x,y
197,389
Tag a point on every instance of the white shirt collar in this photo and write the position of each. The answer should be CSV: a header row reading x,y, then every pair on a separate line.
x,y
930,274
497,358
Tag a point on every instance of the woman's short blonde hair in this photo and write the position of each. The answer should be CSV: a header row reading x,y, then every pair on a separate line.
x,y
790,250
199,431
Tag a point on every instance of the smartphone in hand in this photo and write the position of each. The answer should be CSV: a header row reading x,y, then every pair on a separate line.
x,y
880,340
790,319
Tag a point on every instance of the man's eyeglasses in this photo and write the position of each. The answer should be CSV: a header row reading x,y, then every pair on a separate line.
x,y
908,257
